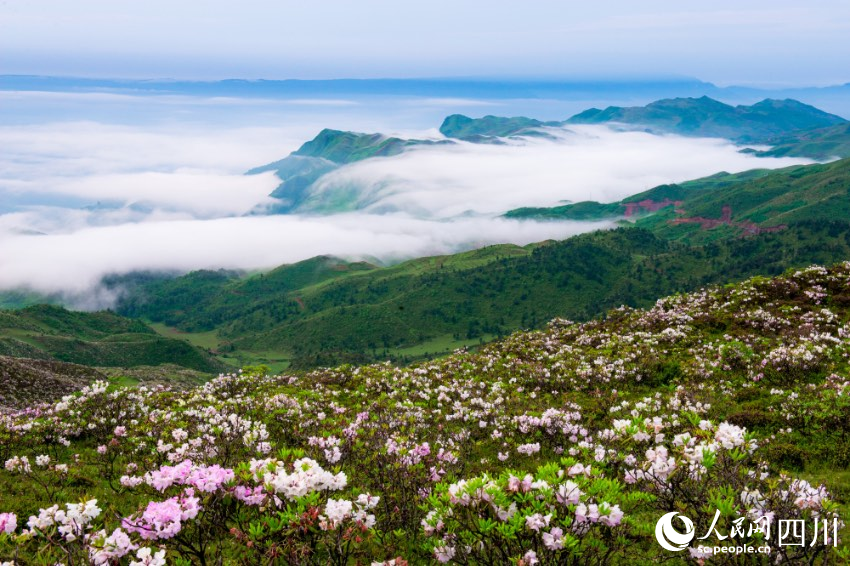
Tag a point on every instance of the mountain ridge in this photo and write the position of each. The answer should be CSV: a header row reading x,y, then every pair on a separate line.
x,y
762,198
796,129
706,117
326,152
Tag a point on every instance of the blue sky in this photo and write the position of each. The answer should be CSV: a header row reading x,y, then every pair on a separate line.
x,y
776,42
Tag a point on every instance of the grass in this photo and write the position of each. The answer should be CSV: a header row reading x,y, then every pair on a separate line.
x,y
276,360
441,345
837,482
25,336
207,340
123,381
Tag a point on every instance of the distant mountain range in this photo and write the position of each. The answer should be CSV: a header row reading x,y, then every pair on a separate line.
x,y
791,127
699,117
478,88
577,89
705,117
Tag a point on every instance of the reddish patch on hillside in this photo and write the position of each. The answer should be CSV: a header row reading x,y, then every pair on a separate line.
x,y
648,205
300,302
749,228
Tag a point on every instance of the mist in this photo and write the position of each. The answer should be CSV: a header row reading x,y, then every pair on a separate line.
x,y
113,194
75,262
580,163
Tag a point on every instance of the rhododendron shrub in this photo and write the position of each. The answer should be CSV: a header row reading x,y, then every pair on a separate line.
x,y
264,511
67,530
700,469
559,514
411,468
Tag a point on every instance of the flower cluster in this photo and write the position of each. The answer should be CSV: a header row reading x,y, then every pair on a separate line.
x,y
164,519
337,511
307,476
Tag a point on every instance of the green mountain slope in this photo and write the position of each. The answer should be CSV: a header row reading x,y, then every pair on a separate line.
x,y
297,174
757,200
489,128
18,299
202,300
329,150
767,203
93,339
706,117
639,204
348,147
822,144
429,305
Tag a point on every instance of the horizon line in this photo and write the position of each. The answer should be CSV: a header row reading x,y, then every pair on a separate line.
x,y
506,79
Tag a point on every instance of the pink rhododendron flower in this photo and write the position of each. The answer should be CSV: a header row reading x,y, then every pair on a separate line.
x,y
554,539
162,520
8,523
444,553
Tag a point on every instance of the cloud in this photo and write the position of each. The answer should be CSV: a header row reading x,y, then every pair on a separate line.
x,y
585,163
85,148
171,196
75,262
203,194
195,170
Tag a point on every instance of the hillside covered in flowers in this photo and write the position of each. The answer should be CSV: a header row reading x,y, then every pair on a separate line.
x,y
561,446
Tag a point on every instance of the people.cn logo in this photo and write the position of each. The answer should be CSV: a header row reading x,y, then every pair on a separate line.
x,y
667,535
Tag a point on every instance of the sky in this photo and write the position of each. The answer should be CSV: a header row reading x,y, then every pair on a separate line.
x,y
758,42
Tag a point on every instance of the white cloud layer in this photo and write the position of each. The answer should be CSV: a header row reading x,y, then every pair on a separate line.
x,y
173,198
75,262
585,163
193,170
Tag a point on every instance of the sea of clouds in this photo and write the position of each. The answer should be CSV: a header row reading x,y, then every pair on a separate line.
x,y
84,198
